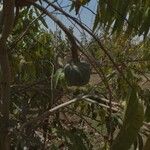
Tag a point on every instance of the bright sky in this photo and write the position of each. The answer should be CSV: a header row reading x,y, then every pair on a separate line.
x,y
86,16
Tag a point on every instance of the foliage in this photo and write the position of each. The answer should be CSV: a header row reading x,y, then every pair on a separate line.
x,y
106,113
131,17
133,121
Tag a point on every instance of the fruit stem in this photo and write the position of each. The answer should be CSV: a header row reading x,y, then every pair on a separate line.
x,y
74,52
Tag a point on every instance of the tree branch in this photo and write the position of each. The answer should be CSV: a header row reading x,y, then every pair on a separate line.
x,y
7,25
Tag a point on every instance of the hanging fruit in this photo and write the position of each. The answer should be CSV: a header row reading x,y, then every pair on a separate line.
x,y
77,73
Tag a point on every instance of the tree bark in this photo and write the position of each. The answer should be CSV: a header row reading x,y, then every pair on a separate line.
x,y
4,101
5,75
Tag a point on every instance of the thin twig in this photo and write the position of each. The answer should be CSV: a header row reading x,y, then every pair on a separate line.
x,y
47,113
102,105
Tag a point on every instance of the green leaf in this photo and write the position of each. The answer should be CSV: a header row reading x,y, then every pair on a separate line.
x,y
43,22
77,4
59,76
147,144
140,141
118,12
133,120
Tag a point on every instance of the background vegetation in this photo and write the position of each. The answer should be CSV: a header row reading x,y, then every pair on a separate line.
x,y
39,110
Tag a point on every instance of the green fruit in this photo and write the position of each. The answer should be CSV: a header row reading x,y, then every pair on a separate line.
x,y
77,73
